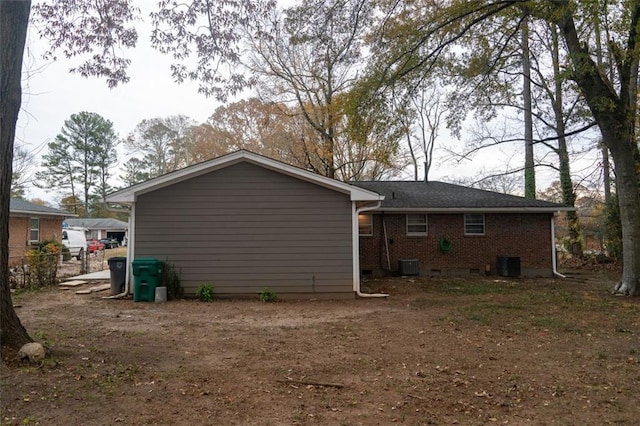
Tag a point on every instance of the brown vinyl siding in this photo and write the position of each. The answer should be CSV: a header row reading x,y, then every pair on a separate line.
x,y
244,227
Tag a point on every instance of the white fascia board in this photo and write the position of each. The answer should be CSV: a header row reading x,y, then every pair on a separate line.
x,y
478,210
35,213
128,195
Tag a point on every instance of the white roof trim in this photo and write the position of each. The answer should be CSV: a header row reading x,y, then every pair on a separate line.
x,y
38,213
128,195
477,209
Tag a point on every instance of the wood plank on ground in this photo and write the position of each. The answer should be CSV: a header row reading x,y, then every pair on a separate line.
x,y
73,283
95,289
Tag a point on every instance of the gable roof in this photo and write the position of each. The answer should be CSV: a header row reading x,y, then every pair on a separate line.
x,y
447,197
18,206
97,223
128,195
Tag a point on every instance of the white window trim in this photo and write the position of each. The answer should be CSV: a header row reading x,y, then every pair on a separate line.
x,y
31,229
370,216
484,225
426,224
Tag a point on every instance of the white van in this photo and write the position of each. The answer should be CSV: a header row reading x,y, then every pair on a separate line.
x,y
75,240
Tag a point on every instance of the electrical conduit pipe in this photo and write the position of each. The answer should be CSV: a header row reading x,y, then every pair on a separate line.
x,y
356,251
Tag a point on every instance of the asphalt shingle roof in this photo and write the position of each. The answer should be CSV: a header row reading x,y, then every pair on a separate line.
x,y
21,206
97,223
446,196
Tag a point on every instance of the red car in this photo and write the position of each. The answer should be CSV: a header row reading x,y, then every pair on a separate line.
x,y
93,245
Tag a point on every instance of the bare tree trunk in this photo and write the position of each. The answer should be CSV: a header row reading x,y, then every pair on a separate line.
x,y
569,197
615,114
529,170
606,165
14,20
628,190
414,159
606,173
566,183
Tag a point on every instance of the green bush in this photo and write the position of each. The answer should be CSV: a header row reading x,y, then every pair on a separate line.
x,y
205,292
267,295
42,264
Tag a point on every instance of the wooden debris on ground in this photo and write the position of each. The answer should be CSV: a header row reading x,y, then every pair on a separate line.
x,y
95,289
73,283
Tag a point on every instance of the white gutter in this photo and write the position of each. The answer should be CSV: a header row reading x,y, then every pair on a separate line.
x,y
130,251
478,209
356,249
131,245
553,250
35,213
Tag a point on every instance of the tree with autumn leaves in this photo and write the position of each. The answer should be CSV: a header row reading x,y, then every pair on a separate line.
x,y
611,94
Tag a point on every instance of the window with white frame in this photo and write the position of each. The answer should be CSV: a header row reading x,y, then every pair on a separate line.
x,y
365,224
474,224
34,230
417,224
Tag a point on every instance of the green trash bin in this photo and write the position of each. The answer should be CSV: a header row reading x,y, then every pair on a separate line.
x,y
147,273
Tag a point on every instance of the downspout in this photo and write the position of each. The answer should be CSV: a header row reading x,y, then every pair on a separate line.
x,y
553,249
356,250
130,251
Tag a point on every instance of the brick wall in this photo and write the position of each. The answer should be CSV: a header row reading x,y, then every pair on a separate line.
x,y
527,236
50,228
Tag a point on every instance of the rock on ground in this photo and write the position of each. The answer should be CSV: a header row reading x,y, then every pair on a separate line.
x,y
33,351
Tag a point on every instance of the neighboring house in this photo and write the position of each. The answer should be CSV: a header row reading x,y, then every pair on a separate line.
x,y
455,230
243,222
99,228
29,224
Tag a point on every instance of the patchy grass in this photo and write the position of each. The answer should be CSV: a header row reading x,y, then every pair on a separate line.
x,y
437,351
471,287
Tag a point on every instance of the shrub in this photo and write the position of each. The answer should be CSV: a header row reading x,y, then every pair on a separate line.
x,y
267,295
42,264
205,292
171,279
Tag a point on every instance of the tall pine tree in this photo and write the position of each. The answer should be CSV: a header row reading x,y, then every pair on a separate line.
x,y
80,157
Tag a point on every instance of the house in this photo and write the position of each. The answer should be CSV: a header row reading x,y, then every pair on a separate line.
x,y
29,224
243,222
99,228
436,228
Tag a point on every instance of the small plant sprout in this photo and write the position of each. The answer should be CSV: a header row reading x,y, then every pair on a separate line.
x,y
266,295
205,292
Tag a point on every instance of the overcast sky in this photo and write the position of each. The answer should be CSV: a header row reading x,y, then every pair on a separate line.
x,y
51,94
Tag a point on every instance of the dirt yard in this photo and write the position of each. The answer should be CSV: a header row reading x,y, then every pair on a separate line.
x,y
437,351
